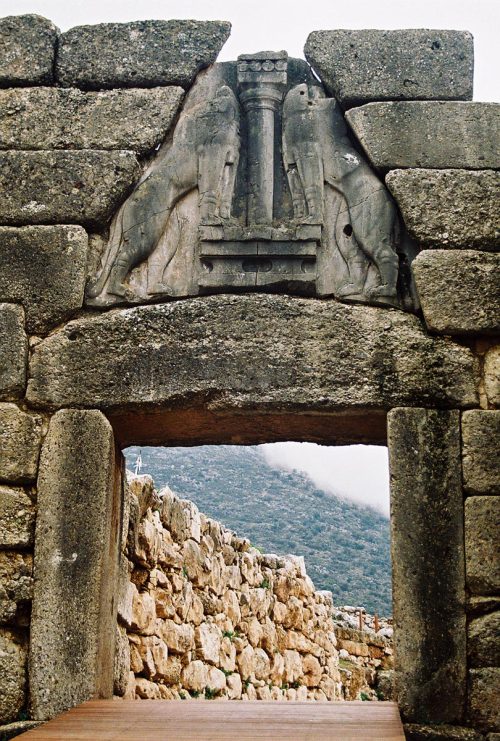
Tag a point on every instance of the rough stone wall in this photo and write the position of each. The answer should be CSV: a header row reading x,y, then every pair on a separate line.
x,y
334,371
366,654
204,614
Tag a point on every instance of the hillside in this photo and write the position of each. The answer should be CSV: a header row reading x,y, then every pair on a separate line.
x,y
346,546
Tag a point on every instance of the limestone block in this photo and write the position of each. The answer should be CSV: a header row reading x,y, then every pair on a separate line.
x,y
44,269
125,593
312,671
231,607
17,518
483,706
481,451
293,666
277,669
13,351
216,680
482,544
227,658
159,652
449,208
121,663
424,134
195,676
246,662
182,518
483,647
459,291
427,547
293,353
75,557
16,584
234,686
138,54
491,369
20,435
149,541
28,47
262,665
179,638
409,64
172,670
208,642
147,690
13,660
73,187
143,613
58,118
11,730
414,732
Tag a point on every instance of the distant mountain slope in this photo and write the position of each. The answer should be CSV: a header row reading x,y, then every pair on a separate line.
x,y
346,546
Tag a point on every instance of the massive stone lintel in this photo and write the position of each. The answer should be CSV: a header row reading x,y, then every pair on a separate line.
x,y
265,353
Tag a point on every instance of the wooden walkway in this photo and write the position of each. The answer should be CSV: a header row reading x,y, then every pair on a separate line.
x,y
156,720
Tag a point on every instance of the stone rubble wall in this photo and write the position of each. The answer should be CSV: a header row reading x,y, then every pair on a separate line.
x,y
63,172
204,614
366,654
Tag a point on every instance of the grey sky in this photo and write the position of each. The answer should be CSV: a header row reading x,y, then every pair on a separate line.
x,y
282,24
356,472
360,472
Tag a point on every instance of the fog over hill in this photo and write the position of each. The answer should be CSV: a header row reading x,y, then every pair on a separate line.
x,y
345,545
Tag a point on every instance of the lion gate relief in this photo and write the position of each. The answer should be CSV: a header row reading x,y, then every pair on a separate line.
x,y
259,188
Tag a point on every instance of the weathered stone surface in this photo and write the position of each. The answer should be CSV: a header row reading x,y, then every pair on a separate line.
x,y
13,655
11,730
138,54
412,64
17,518
483,646
74,187
482,544
459,291
414,732
481,451
56,118
428,564
425,134
269,352
19,444
483,705
449,208
27,44
121,663
16,585
13,351
74,567
44,269
491,370
477,606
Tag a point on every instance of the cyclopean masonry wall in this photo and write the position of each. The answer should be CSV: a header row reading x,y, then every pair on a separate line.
x,y
337,347
204,614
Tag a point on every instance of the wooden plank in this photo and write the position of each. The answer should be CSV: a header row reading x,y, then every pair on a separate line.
x,y
201,720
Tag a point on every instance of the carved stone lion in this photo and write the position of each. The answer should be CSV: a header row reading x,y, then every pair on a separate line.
x,y
204,154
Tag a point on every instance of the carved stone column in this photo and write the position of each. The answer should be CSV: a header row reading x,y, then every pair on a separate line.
x,y
262,81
